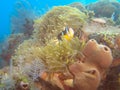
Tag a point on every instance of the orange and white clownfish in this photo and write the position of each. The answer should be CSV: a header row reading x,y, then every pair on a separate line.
x,y
68,34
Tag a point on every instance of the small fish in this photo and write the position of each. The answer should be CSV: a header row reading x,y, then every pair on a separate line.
x,y
68,34
99,20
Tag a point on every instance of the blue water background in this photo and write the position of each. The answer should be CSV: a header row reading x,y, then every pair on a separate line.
x,y
7,7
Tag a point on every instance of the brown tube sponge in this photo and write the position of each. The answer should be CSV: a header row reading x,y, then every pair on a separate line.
x,y
90,45
86,76
100,55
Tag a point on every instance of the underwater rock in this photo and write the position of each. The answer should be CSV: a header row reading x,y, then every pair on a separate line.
x,y
112,79
116,53
105,9
45,85
78,6
116,62
102,9
22,86
117,41
82,8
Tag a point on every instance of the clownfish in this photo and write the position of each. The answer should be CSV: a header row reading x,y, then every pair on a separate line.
x,y
68,34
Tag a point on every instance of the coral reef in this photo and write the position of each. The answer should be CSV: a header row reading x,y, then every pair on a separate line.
x,y
77,63
106,11
109,9
82,8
